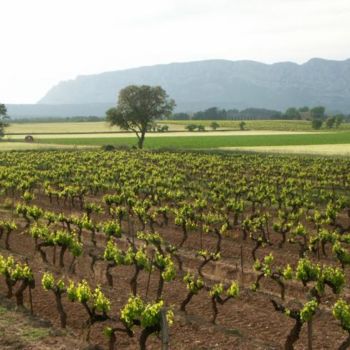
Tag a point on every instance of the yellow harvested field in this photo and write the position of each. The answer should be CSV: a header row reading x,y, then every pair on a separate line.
x,y
20,146
160,134
69,127
341,150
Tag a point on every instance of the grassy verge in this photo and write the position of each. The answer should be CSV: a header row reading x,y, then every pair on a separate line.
x,y
19,330
189,142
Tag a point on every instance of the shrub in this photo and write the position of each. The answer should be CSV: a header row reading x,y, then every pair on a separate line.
x,y
316,124
108,147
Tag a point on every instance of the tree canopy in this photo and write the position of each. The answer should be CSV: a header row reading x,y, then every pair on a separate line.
x,y
138,107
3,119
318,112
292,113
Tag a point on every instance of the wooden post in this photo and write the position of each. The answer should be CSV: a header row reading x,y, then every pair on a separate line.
x,y
30,293
309,335
54,255
309,331
30,300
242,268
164,330
149,277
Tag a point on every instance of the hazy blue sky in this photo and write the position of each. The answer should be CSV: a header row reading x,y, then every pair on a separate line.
x,y
45,41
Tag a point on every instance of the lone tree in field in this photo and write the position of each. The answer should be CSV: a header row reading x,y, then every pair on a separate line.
x,y
138,107
3,119
214,125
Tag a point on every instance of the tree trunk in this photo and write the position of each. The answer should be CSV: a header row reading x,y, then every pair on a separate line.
x,y
60,309
345,344
109,275
141,140
185,235
42,253
19,293
133,281
9,284
186,301
293,336
7,240
54,255
63,250
144,336
283,240
257,246
215,309
160,286
179,262
93,237
112,341
202,265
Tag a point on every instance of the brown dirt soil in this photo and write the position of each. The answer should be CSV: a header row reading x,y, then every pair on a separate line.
x,y
249,322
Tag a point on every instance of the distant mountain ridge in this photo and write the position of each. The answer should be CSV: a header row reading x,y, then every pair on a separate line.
x,y
47,111
222,83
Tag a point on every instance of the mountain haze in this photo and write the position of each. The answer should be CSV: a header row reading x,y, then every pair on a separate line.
x,y
221,83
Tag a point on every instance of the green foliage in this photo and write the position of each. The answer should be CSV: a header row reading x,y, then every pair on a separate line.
x,y
15,271
82,293
112,228
60,238
214,125
341,311
330,122
209,255
318,112
334,277
148,314
287,272
341,253
166,265
138,107
7,225
233,290
48,282
316,124
193,284
339,119
150,238
292,113
306,271
265,265
217,290
191,127
3,119
242,125
308,310
117,256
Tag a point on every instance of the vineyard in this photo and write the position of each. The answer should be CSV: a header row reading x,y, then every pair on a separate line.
x,y
150,250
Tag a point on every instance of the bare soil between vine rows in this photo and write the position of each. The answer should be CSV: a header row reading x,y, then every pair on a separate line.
x,y
248,322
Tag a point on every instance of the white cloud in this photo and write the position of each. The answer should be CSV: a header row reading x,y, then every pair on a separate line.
x,y
43,42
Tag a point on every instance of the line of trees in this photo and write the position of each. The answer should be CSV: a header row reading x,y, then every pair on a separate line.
x,y
215,113
292,113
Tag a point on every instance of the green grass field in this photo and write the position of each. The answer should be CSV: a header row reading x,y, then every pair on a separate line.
x,y
190,142
262,133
